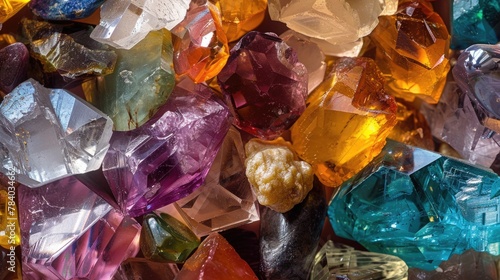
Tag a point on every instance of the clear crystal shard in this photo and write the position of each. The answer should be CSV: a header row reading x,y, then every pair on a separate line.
x,y
48,134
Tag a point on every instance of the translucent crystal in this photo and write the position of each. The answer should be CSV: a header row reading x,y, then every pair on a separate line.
x,y
344,262
9,222
139,268
8,8
412,128
50,134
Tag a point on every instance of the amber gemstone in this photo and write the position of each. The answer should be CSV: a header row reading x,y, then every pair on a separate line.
x,y
8,8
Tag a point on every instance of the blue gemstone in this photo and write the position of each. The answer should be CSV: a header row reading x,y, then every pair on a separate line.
x,y
420,206
64,9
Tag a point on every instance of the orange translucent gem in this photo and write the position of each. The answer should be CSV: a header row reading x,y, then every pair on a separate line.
x,y
346,122
412,128
8,8
413,51
240,17
9,220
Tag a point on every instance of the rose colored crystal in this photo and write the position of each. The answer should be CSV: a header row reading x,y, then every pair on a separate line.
x,y
215,259
264,84
169,156
14,66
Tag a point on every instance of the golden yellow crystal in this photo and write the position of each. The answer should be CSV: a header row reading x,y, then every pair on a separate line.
x,y
346,122
9,221
240,17
8,8
413,51
412,128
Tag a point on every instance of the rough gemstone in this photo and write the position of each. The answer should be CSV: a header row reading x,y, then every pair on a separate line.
x,y
8,8
469,265
165,239
479,145
139,268
215,259
141,83
48,134
246,244
124,23
346,122
288,241
264,84
9,222
344,262
279,179
70,232
14,67
64,9
200,45
169,156
474,22
420,206
225,199
240,17
71,55
412,50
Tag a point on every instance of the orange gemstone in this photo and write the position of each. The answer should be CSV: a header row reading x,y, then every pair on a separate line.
x,y
412,128
8,8
413,51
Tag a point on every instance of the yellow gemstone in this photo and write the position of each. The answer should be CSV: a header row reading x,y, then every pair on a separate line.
x,y
412,128
346,122
9,221
240,17
8,8
413,51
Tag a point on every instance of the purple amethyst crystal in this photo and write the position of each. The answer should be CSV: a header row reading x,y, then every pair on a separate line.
x,y
13,67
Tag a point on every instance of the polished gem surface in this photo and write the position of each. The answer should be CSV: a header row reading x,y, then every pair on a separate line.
x,y
64,9
419,206
14,67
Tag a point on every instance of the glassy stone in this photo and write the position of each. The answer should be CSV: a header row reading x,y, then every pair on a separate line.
x,y
344,262
288,241
346,122
215,259
165,239
70,232
139,268
64,9
141,83
412,50
279,179
8,8
420,206
264,84
49,134
71,55
10,267
474,22
9,221
239,18
124,23
169,156
412,128
200,45
225,199
14,67
469,265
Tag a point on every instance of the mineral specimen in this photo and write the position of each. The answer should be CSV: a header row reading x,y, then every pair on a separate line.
x,y
412,128
344,262
124,23
8,8
165,239
169,156
215,259
64,9
264,84
9,222
139,268
14,67
225,199
288,241
200,45
419,206
412,50
279,179
346,122
50,134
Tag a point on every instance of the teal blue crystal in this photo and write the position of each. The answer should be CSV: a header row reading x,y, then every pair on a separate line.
x,y
420,206
474,22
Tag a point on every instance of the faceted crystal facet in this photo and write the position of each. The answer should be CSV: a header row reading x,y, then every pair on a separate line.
x,y
71,55
225,199
264,84
279,179
138,268
168,157
419,206
124,23
215,259
14,67
141,83
200,45
346,122
64,9
344,262
412,51
49,134
240,17
165,239
8,8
